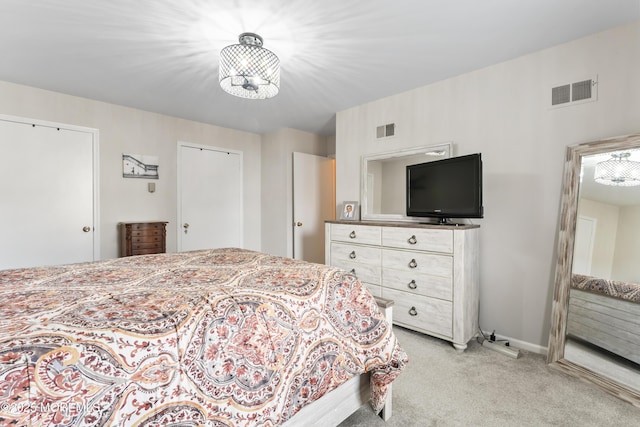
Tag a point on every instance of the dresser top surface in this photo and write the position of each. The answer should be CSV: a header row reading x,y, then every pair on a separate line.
x,y
408,225
143,222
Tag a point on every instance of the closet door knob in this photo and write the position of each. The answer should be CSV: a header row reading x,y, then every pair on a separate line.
x,y
352,255
412,240
352,235
413,263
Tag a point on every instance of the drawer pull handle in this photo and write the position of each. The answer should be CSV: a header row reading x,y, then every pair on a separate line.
x,y
412,285
352,255
413,311
413,263
412,240
353,271
352,234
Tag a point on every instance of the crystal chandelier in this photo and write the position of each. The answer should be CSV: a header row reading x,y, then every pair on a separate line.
x,y
248,70
618,170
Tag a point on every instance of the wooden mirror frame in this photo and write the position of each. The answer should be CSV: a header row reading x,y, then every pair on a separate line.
x,y
566,238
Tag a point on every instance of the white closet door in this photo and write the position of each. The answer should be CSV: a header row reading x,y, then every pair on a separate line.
x,y
46,188
210,198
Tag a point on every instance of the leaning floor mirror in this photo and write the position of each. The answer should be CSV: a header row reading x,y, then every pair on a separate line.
x,y
595,324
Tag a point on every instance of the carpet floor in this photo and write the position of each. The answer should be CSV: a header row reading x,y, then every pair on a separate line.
x,y
480,387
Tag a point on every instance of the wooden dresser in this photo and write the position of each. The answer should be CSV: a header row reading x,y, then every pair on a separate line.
x,y
140,238
429,271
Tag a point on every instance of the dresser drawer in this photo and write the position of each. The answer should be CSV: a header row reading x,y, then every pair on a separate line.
x,y
423,313
369,273
418,263
362,234
146,226
375,290
354,253
418,239
417,283
144,238
144,232
146,245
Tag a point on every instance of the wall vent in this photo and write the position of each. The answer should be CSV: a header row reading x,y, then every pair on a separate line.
x,y
571,93
385,131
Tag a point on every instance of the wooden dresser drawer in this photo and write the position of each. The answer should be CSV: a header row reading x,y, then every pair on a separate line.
x,y
419,263
426,314
419,284
362,234
419,239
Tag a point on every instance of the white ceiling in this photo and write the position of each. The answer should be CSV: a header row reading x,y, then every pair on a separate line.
x,y
162,55
612,195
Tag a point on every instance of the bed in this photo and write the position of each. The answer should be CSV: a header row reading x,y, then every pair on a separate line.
x,y
605,313
224,337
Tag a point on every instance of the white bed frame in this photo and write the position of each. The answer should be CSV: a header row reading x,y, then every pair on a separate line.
x,y
338,405
610,323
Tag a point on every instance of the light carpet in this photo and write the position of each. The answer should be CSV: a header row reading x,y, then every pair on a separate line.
x,y
480,387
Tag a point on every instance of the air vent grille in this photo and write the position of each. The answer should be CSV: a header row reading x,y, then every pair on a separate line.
x,y
385,131
560,95
577,92
581,90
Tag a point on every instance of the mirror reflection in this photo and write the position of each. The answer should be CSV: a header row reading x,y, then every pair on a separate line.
x,y
603,320
383,181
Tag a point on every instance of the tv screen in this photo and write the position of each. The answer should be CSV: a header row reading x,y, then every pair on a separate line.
x,y
448,188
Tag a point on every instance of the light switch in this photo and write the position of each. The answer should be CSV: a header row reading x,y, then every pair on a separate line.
x,y
152,187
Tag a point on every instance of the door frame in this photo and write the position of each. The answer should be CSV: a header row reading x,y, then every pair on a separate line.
x,y
179,147
95,149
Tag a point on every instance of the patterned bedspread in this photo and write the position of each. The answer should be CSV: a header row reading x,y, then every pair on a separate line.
x,y
612,288
210,338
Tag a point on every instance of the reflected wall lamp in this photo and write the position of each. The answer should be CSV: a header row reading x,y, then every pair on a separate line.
x,y
618,170
248,70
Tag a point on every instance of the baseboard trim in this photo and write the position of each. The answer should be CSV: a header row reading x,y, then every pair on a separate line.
x,y
522,345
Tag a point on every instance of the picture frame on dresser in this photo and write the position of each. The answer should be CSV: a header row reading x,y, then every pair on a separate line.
x,y
349,211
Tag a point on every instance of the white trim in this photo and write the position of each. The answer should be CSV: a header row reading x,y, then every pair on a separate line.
x,y
95,138
181,144
522,345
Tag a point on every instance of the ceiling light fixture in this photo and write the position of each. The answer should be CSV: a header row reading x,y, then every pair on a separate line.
x,y
618,170
248,70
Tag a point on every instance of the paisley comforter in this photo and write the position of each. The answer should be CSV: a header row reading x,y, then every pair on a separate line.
x,y
225,337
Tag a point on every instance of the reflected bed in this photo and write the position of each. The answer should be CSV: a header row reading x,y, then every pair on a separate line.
x,y
606,313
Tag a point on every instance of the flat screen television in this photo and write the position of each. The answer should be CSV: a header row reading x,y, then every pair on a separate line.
x,y
447,188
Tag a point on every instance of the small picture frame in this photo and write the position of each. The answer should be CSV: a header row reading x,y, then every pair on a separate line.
x,y
349,211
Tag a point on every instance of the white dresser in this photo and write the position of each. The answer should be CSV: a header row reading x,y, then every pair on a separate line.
x,y
429,271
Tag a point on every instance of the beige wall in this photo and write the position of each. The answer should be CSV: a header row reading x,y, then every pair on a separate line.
x,y
126,130
627,252
503,111
277,195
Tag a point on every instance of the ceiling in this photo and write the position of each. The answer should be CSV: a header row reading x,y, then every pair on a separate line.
x,y
612,195
162,55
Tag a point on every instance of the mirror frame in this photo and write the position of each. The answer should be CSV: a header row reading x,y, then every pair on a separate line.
x,y
367,216
566,238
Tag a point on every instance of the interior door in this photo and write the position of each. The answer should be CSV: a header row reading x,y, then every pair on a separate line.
x,y
209,197
313,203
47,195
583,246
